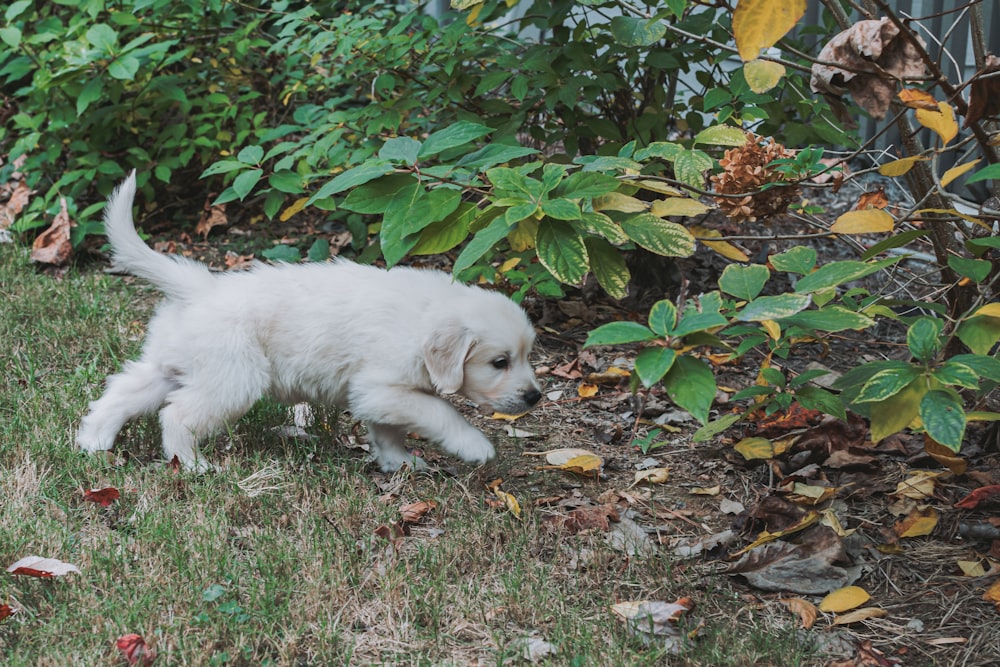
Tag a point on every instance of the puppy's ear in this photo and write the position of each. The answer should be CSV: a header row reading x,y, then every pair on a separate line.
x,y
445,353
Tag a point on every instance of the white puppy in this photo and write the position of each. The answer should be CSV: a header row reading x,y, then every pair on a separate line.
x,y
379,343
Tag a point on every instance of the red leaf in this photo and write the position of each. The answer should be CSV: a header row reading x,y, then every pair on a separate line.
x,y
5,611
102,497
134,648
36,566
977,496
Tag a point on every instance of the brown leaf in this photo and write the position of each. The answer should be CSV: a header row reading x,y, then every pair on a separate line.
x,y
805,610
807,569
135,650
53,245
915,98
214,216
414,512
584,518
984,93
992,594
102,497
867,60
19,196
5,611
36,566
872,199
394,532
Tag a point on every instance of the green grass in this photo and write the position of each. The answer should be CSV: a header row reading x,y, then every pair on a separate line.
x,y
274,560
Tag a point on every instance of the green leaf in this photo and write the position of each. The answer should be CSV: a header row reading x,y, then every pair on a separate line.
x,y
690,167
691,385
924,338
11,36
659,236
709,431
586,184
831,319
561,250
701,316
374,196
663,317
985,366
286,181
815,398
400,149
364,172
895,413
608,267
91,91
251,155
632,32
561,209
957,373
664,150
457,134
509,182
282,253
484,241
944,418
652,363
319,251
596,222
410,210
721,135
222,167
619,333
124,67
990,173
443,235
975,270
773,307
15,9
980,333
838,273
103,37
886,383
606,163
897,240
244,183
744,282
493,154
800,259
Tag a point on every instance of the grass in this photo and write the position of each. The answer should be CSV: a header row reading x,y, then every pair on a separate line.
x,y
274,560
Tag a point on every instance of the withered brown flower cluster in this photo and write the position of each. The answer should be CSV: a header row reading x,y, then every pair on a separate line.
x,y
746,170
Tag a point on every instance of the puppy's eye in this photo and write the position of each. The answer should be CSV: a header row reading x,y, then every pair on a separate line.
x,y
500,363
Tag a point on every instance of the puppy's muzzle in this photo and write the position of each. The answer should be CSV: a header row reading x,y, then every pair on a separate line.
x,y
531,397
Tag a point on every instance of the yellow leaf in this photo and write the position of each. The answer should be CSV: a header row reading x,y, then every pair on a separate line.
x,y
681,206
724,248
972,568
562,455
830,519
805,610
919,485
755,448
957,171
860,615
472,19
809,494
652,476
522,237
896,412
616,201
506,417
992,594
772,328
868,221
587,465
900,166
919,522
509,264
662,188
956,464
917,99
510,501
759,24
586,390
763,75
989,310
706,490
844,599
296,206
941,121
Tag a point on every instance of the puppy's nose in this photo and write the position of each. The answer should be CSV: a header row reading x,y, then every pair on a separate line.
x,y
532,396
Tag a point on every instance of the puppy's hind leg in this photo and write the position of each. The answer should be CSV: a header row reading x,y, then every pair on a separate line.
x,y
139,389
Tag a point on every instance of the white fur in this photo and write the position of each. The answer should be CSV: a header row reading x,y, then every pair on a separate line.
x,y
379,343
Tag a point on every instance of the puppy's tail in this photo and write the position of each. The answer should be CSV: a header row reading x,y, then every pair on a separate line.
x,y
175,276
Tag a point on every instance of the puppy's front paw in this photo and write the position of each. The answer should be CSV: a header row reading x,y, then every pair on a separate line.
x,y
89,441
477,451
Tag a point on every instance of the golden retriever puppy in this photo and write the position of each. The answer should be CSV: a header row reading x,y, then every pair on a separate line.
x,y
381,344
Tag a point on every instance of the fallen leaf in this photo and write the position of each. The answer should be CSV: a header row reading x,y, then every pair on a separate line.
x,y
946,457
214,216
690,547
919,522
586,390
612,375
706,490
971,568
860,615
764,537
5,611
586,465
652,476
655,622
509,501
53,246
992,594
844,599
15,204
562,455
533,649
627,536
809,568
135,650
805,610
414,512
37,566
982,493
103,497
756,448
919,485
393,532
